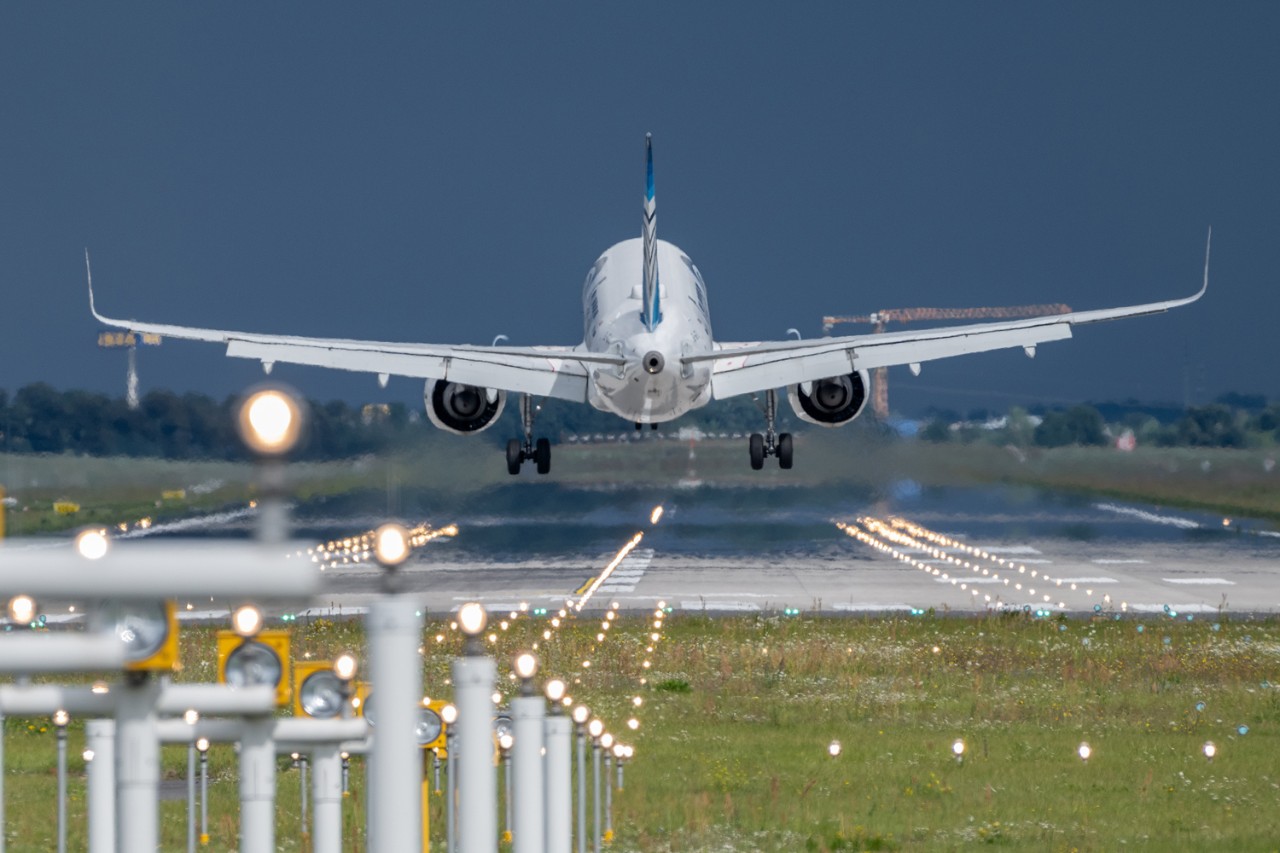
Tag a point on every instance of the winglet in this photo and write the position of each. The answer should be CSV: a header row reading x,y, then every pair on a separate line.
x,y
88,271
1207,243
651,311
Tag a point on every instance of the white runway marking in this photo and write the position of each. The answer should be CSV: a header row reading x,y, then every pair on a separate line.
x,y
202,615
689,604
1181,608
1200,581
629,571
870,608
1011,549
1171,520
1088,580
1117,562
963,579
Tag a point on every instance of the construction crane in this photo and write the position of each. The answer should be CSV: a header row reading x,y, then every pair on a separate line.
x,y
881,319
128,341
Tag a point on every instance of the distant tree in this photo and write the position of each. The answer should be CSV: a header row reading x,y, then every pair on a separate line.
x,y
1210,426
937,430
1248,402
1081,425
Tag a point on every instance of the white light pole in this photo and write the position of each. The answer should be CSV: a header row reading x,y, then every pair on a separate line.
x,y
473,679
202,746
449,713
326,786
595,728
558,781
527,712
580,715
394,629
60,720
137,763
100,784
191,718
606,746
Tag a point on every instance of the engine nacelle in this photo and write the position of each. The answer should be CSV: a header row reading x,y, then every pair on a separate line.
x,y
830,402
462,409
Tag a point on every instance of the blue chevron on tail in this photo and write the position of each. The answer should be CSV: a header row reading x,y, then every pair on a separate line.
x,y
651,313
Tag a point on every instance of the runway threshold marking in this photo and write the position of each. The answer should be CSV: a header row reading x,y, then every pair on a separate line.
x,y
1200,581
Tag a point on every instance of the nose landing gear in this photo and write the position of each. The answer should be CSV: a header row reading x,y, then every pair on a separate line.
x,y
518,451
771,443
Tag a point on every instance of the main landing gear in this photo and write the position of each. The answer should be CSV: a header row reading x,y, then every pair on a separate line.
x,y
771,443
518,451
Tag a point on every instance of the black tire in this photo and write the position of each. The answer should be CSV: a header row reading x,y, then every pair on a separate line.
x,y
785,451
756,445
513,456
542,455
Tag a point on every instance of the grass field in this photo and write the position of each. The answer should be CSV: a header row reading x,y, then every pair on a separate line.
x,y
738,713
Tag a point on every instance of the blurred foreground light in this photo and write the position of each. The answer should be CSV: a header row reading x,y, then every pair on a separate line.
x,y
505,741
22,609
247,621
833,749
472,619
1084,751
61,718
270,422
606,741
595,728
449,713
391,545
100,688
1210,750
202,744
633,724
87,755
526,666
345,667
619,751
191,717
957,748
554,689
656,515
580,714
496,697
92,544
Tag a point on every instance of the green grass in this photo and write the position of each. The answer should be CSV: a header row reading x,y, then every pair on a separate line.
x,y
738,713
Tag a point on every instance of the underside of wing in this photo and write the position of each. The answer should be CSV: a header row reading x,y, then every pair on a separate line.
x,y
746,368
541,371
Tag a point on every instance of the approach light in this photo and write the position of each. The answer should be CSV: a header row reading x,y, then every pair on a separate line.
x,y
191,717
270,421
61,718
633,724
505,742
472,619
149,632
580,714
957,748
449,713
320,692
526,666
247,621
555,690
345,667
391,545
833,749
1210,750
429,728
1084,751
87,755
595,728
251,664
22,609
92,544
202,745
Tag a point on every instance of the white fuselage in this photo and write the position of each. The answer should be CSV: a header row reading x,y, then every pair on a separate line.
x,y
653,386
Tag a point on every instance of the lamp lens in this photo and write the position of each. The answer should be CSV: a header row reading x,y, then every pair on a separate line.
x,y
428,726
321,695
253,663
143,629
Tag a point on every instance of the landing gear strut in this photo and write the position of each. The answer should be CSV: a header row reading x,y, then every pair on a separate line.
x,y
771,443
518,451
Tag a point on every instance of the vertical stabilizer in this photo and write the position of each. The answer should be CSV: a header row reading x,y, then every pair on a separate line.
x,y
651,313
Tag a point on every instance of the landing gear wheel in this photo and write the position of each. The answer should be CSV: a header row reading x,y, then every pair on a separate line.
x,y
515,455
542,455
756,445
785,456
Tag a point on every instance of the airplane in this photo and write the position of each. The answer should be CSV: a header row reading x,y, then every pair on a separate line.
x,y
647,354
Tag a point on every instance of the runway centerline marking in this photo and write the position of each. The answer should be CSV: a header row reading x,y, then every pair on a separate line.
x,y
1200,581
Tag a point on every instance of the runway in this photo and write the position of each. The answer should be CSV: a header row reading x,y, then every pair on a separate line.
x,y
991,549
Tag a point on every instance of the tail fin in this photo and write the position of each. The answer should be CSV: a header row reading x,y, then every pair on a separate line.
x,y
651,313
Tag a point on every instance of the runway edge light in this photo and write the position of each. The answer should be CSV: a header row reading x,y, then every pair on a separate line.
x,y
274,641
165,657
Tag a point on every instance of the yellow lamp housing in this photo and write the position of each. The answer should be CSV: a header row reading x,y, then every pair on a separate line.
x,y
317,690
153,630
436,706
262,654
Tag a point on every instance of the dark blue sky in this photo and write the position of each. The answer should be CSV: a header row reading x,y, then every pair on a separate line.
x,y
449,174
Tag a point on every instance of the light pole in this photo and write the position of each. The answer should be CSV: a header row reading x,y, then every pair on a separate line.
x,y
606,745
202,747
595,728
60,720
191,717
580,715
505,742
449,713
528,711
100,787
558,780
473,678
394,626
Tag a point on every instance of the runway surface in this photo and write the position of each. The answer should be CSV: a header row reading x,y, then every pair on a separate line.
x,y
959,551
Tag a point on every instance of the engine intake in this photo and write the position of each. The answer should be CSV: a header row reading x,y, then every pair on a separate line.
x,y
462,409
831,402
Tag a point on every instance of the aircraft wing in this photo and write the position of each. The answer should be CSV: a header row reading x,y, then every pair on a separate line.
x,y
541,371
746,368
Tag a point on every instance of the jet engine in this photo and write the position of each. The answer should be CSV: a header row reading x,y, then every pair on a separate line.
x,y
830,402
462,409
